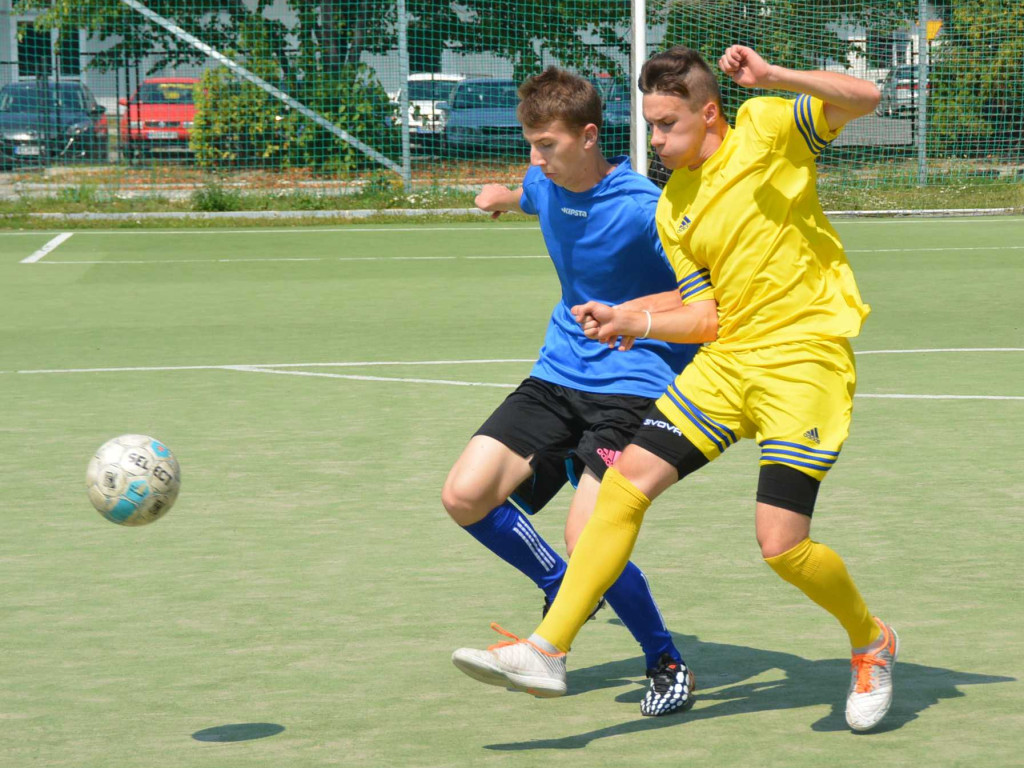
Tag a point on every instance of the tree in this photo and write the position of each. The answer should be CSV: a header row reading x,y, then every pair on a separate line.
x,y
315,59
589,36
802,34
976,99
331,33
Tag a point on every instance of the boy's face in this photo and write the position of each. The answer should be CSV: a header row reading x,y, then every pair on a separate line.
x,y
678,132
560,152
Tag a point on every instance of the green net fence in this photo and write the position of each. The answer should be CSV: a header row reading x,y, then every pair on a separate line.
x,y
336,97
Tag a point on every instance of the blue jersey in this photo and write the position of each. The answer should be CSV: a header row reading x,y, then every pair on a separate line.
x,y
605,247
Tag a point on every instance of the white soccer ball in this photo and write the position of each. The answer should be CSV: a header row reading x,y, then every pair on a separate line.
x,y
133,480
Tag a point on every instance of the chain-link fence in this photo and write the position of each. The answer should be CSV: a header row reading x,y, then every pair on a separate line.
x,y
333,94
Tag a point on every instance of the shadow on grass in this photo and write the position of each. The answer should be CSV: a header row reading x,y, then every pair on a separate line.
x,y
238,732
727,687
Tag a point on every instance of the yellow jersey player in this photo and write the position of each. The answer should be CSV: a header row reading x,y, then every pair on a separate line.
x,y
742,225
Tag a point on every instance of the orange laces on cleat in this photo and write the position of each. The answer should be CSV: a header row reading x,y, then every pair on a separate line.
x,y
516,640
501,631
862,663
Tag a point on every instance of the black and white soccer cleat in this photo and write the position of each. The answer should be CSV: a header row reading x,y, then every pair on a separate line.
x,y
671,688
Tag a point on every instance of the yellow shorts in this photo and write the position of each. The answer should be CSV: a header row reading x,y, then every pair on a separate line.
x,y
795,399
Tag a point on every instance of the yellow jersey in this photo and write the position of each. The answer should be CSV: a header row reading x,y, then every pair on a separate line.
x,y
747,229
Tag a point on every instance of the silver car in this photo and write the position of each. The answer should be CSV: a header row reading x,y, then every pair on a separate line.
x,y
899,93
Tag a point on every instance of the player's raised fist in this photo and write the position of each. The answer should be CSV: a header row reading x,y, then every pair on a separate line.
x,y
745,66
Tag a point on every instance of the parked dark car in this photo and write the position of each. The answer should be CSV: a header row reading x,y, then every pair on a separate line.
x,y
616,116
656,170
46,122
481,118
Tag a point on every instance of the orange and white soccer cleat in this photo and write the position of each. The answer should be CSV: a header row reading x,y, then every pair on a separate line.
x,y
871,685
516,664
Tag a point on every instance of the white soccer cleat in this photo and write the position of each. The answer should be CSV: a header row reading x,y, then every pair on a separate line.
x,y
516,664
871,684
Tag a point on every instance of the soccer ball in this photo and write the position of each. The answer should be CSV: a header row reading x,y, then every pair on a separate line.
x,y
133,480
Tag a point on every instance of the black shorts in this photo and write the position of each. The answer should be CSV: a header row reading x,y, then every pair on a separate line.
x,y
565,430
666,441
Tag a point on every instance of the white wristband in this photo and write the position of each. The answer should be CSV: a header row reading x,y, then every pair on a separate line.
x,y
648,313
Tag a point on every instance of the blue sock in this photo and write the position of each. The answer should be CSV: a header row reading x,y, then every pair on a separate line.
x,y
631,599
508,533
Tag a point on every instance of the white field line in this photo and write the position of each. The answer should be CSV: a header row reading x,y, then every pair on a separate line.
x,y
352,230
289,258
525,227
256,369
940,249
276,368
271,259
475,361
942,397
51,245
930,351
234,366
449,382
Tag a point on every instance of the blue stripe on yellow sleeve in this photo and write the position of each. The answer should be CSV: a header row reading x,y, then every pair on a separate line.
x,y
803,115
695,283
808,110
799,124
701,275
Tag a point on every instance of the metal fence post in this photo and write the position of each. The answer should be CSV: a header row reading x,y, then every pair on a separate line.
x,y
638,41
403,98
922,92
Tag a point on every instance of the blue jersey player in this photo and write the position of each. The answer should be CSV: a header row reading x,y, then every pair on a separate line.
x,y
583,399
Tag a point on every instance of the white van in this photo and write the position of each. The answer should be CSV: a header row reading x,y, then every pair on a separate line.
x,y
426,91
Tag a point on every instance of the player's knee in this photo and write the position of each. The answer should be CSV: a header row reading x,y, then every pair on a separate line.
x,y
463,502
773,545
454,499
784,488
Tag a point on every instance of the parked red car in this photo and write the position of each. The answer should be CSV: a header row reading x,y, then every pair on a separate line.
x,y
158,117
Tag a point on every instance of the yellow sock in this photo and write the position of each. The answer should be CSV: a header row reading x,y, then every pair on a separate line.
x,y
600,556
821,575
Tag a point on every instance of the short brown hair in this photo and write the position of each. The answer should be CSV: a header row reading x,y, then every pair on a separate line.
x,y
682,72
555,94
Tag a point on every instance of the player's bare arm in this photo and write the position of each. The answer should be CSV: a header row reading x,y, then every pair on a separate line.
x,y
694,323
846,98
497,199
656,302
